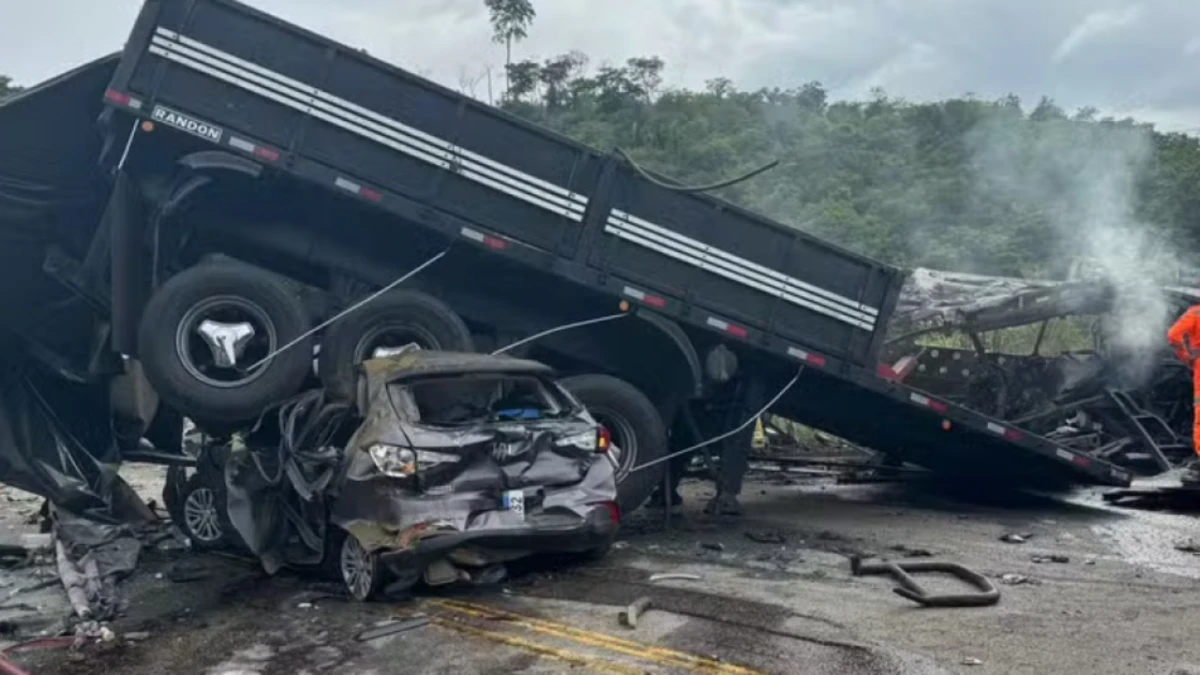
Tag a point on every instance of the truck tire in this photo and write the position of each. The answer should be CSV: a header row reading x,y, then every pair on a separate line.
x,y
178,346
391,320
636,428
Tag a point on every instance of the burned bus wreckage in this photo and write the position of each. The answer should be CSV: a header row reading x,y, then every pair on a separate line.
x,y
1109,397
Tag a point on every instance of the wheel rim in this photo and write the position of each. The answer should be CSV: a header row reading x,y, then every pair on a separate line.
x,y
623,439
200,514
392,336
358,569
219,338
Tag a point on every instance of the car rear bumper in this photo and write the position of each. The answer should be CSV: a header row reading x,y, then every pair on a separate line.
x,y
595,531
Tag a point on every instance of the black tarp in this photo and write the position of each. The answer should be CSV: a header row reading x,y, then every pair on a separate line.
x,y
50,143
56,438
52,194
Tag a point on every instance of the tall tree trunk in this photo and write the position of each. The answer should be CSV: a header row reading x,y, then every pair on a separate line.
x,y
507,62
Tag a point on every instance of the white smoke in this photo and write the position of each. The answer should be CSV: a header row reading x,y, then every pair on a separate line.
x,y
1081,180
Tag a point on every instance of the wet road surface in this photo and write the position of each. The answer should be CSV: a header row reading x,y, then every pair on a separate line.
x,y
775,596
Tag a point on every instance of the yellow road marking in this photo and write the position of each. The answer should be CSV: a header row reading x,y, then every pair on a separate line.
x,y
540,650
659,655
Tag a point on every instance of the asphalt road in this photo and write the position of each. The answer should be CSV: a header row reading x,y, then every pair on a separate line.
x,y
775,596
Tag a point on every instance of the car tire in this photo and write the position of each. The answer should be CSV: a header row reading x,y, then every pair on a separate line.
x,y
394,316
172,350
360,571
203,516
626,412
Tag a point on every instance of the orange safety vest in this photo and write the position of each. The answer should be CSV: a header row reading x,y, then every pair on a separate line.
x,y
1184,337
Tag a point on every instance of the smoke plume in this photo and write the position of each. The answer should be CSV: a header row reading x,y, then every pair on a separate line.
x,y
1080,181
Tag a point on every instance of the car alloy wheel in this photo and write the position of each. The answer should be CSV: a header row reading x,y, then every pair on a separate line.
x,y
360,569
201,516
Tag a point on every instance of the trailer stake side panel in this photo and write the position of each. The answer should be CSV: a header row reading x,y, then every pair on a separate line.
x,y
243,79
240,79
238,70
744,267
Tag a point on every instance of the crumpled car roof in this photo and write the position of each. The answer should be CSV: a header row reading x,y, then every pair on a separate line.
x,y
422,363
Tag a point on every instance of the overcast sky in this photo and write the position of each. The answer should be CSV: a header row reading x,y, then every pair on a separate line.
x,y
1125,58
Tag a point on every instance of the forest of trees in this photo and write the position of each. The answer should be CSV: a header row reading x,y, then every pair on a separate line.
x,y
988,186
964,184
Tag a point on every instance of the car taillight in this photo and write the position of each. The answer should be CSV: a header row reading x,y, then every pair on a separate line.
x,y
614,512
603,439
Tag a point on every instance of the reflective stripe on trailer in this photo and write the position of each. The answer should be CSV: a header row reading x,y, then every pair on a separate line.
x,y
1001,430
1073,458
642,296
357,189
121,98
485,239
696,253
367,123
921,399
260,151
724,326
807,357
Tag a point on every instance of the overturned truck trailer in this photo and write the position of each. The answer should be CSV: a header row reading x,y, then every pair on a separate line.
x,y
196,206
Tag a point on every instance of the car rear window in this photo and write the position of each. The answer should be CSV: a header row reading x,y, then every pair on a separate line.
x,y
474,399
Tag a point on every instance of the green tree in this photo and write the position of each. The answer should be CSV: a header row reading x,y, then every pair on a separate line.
x,y
962,184
7,87
510,22
523,77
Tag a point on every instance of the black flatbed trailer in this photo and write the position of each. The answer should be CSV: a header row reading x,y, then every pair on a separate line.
x,y
223,79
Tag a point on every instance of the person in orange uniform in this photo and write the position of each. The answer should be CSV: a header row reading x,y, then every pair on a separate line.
x,y
1184,337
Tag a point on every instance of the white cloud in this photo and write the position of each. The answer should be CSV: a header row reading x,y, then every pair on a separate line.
x,y
917,49
1095,26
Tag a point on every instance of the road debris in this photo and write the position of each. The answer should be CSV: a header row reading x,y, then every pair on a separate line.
x,y
37,541
1014,538
1012,579
971,661
629,616
9,668
907,552
712,546
765,536
1188,546
184,571
392,628
674,576
987,593
1050,558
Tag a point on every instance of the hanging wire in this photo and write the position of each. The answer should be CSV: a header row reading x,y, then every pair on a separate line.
x,y
727,434
577,324
696,188
348,310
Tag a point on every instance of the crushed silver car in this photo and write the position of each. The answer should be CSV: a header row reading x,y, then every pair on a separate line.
x,y
447,466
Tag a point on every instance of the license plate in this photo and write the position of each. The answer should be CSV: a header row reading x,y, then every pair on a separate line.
x,y
514,500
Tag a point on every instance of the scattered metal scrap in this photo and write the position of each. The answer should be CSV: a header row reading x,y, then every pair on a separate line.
x,y
392,628
674,576
629,616
987,594
1185,498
